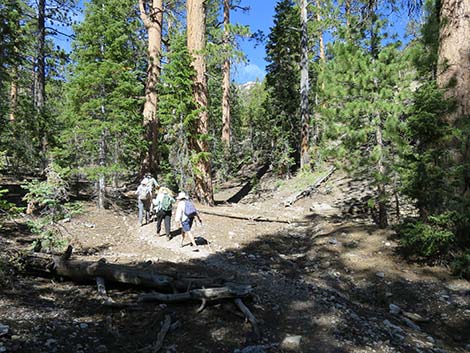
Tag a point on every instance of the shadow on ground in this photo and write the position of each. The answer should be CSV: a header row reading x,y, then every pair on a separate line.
x,y
304,288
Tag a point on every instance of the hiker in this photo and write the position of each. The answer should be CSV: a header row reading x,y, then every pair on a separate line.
x,y
151,182
153,185
185,214
144,198
163,204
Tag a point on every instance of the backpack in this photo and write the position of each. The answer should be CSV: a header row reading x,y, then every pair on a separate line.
x,y
166,203
144,193
189,209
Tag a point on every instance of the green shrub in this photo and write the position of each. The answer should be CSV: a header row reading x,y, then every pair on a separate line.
x,y
2,272
431,239
461,266
48,200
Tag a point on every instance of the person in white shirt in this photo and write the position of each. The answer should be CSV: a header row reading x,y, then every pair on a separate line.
x,y
151,182
186,220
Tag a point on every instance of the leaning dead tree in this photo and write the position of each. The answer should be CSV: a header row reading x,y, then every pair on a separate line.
x,y
251,218
166,288
308,191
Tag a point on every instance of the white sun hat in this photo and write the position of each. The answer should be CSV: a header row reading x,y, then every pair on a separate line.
x,y
182,195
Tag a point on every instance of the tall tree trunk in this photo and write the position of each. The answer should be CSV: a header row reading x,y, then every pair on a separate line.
x,y
322,56
347,14
196,27
454,73
374,38
13,96
382,200
304,88
321,42
40,79
102,164
226,124
152,16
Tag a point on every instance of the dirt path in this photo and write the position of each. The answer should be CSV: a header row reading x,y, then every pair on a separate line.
x,y
328,282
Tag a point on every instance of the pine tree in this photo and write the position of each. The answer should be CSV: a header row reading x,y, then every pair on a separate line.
x,y
256,139
430,176
221,51
102,125
178,114
282,83
23,135
366,88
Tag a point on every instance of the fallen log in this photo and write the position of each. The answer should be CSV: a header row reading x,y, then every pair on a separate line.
x,y
229,291
192,288
88,271
307,192
248,218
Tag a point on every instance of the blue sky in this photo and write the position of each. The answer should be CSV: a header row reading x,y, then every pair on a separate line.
x,y
259,17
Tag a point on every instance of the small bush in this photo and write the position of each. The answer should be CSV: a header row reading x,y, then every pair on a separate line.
x,y
47,203
461,266
431,239
6,208
2,273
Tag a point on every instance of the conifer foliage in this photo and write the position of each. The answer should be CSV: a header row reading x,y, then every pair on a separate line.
x,y
101,135
283,85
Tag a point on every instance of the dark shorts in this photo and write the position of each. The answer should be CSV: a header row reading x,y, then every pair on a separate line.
x,y
187,224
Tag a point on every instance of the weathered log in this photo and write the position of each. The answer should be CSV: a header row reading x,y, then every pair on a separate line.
x,y
229,291
87,271
307,192
248,218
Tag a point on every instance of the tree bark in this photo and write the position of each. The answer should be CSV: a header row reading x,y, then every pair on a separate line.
x,y
13,96
321,42
152,17
454,74
382,205
226,123
347,14
211,294
196,28
88,271
40,80
318,104
40,58
304,88
454,54
102,164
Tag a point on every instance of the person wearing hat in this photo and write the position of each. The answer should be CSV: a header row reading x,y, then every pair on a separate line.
x,y
144,196
185,215
163,204
151,182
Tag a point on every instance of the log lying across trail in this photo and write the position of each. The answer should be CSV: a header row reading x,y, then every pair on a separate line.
x,y
174,288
